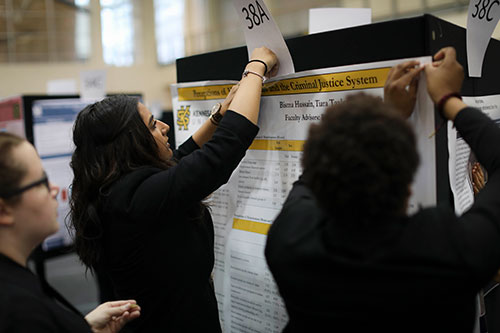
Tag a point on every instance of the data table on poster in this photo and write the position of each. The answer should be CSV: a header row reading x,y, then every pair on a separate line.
x,y
266,182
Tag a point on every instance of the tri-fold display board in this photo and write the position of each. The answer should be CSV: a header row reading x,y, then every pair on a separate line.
x,y
329,66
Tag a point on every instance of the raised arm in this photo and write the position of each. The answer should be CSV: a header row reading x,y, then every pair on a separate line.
x,y
199,172
478,232
444,82
244,98
205,132
247,99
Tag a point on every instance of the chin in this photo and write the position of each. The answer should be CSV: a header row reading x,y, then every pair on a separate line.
x,y
167,154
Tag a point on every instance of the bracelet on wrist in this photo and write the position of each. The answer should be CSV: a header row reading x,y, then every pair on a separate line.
x,y
246,72
213,121
262,62
444,99
216,114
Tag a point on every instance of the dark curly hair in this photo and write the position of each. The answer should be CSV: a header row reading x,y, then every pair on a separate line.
x,y
360,160
110,140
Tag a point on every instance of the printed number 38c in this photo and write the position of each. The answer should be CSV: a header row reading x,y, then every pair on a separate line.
x,y
483,8
257,15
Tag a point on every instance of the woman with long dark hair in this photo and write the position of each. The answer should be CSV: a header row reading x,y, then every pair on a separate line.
x,y
136,205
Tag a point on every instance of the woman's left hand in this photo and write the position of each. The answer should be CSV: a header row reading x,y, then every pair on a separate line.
x,y
110,317
400,89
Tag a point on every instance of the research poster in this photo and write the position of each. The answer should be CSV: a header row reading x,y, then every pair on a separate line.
x,y
53,138
462,159
245,207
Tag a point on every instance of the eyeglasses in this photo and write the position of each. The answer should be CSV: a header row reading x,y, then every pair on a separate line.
x,y
44,180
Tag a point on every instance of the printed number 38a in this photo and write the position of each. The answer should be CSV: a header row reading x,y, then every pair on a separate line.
x,y
483,8
255,16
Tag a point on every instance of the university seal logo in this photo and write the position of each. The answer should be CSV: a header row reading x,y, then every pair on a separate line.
x,y
183,118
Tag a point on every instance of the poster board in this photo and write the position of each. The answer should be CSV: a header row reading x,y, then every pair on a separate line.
x,y
53,121
399,39
245,207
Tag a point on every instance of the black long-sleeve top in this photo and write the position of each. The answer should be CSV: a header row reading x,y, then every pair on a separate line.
x,y
414,274
159,239
26,308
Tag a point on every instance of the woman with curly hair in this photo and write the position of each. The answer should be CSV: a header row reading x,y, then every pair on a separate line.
x,y
344,237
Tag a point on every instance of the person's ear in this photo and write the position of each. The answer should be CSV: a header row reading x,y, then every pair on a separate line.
x,y
6,213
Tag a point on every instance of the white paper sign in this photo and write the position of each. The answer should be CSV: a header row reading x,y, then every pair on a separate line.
x,y
62,87
93,84
481,22
261,30
327,19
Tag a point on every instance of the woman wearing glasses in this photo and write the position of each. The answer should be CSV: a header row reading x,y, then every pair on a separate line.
x,y
28,214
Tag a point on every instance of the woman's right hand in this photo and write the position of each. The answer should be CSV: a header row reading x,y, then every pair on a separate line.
x,y
110,317
267,56
445,75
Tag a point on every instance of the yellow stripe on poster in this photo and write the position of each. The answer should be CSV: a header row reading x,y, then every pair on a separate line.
x,y
251,226
280,145
362,79
204,92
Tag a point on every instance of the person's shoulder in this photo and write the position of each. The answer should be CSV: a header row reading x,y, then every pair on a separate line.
x,y
26,310
133,179
119,195
15,295
21,309
300,216
142,173
442,213
432,223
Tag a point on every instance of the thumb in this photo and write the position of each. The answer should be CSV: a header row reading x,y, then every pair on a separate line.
x,y
440,54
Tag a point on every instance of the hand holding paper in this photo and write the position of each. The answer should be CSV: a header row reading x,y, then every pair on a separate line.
x,y
261,30
400,89
268,57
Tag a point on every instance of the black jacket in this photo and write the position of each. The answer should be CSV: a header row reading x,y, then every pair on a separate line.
x,y
159,239
26,308
414,274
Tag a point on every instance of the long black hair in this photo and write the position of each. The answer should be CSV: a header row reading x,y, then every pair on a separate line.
x,y
111,140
